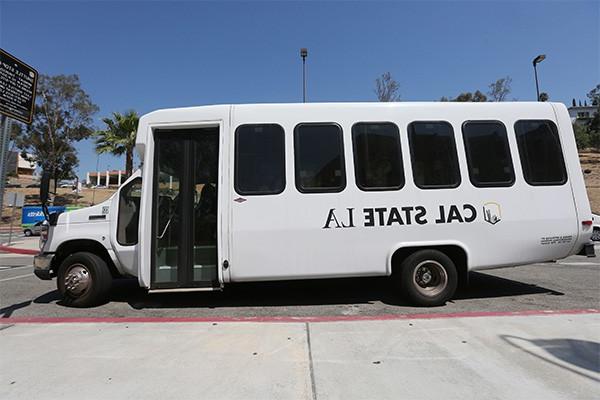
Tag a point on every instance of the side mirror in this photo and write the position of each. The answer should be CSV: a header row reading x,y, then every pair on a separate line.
x,y
45,187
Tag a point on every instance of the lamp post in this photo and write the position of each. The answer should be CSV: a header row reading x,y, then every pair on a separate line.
x,y
303,54
536,61
97,179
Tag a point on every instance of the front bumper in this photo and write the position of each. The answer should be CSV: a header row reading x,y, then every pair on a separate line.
x,y
42,266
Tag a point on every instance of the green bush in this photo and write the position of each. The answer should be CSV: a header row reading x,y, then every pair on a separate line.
x,y
582,137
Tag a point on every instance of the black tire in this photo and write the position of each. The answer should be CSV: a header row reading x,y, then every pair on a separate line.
x,y
428,278
28,232
80,268
596,235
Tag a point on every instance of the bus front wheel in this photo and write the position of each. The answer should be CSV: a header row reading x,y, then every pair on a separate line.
x,y
428,278
83,280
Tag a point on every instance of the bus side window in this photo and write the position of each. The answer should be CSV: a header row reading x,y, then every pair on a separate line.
x,y
377,156
488,154
540,152
433,155
259,159
129,213
319,158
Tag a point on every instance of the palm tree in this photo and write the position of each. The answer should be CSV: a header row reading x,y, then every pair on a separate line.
x,y
119,137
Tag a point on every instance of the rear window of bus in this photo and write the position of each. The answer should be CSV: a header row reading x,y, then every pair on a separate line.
x,y
540,152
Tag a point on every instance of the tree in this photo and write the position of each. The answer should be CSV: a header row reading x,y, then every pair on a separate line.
x,y
62,116
500,89
582,136
386,88
119,137
464,97
594,96
588,135
471,97
593,125
479,97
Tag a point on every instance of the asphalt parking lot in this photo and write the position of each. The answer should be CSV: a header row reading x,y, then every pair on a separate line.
x,y
529,332
573,283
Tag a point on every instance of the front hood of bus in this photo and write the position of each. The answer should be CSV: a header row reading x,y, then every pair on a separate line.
x,y
98,213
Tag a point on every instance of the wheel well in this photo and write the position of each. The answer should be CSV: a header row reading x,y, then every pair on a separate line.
x,y
456,253
91,246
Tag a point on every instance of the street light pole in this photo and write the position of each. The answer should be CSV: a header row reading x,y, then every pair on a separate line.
x,y
536,61
303,54
97,181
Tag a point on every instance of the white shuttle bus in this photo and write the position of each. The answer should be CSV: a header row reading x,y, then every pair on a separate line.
x,y
421,192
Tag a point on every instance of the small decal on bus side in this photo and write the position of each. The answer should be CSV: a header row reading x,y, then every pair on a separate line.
x,y
492,212
550,240
105,210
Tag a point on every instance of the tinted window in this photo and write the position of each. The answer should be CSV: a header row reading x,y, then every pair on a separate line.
x,y
540,152
377,157
129,213
433,155
319,158
260,159
488,154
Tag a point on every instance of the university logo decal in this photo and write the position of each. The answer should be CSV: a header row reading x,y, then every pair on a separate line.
x,y
492,212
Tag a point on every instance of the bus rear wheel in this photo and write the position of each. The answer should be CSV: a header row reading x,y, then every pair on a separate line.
x,y
83,280
428,278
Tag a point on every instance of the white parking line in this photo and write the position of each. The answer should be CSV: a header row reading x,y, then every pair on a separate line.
x,y
577,263
13,268
15,277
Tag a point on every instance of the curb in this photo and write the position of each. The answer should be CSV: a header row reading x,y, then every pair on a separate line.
x,y
289,319
16,250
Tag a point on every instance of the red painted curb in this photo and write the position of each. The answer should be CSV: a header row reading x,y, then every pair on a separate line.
x,y
288,319
16,250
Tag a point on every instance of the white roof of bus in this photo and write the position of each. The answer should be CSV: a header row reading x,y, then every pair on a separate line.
x,y
346,105
261,113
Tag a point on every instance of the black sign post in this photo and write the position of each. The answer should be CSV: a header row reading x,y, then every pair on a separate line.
x,y
18,83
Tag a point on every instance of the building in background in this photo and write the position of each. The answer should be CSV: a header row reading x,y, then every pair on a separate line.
x,y
581,114
106,178
18,167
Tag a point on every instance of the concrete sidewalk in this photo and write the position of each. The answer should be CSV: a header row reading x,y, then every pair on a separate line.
x,y
503,357
21,245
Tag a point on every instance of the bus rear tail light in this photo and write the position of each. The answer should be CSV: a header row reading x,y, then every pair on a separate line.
x,y
587,222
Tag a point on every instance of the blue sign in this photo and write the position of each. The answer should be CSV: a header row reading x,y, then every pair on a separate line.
x,y
33,214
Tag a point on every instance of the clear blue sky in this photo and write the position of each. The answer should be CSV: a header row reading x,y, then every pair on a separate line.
x,y
150,55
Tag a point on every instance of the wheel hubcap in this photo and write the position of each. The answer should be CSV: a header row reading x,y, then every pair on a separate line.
x,y
77,280
430,278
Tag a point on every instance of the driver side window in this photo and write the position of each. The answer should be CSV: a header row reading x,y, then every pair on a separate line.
x,y
129,213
